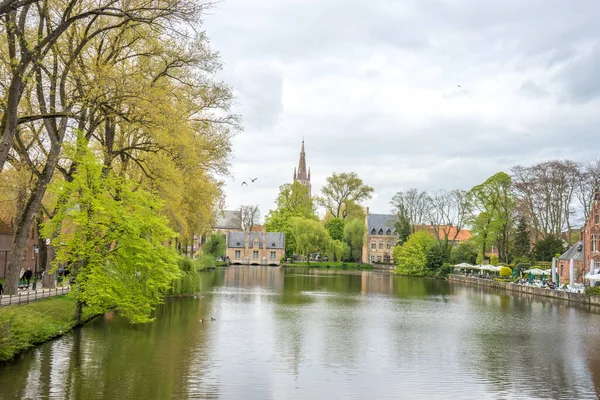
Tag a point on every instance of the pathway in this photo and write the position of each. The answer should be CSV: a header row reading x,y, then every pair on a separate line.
x,y
27,296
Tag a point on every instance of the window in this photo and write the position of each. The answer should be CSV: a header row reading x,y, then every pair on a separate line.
x,y
593,242
562,269
389,245
388,232
255,254
381,231
372,258
386,259
381,244
597,218
255,243
238,254
373,231
373,245
273,255
378,258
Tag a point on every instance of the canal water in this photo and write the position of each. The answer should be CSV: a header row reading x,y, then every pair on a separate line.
x,y
308,334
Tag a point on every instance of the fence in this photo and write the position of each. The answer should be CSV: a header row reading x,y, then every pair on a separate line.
x,y
32,295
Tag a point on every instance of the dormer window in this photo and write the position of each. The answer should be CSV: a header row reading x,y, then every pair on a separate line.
x,y
373,231
273,244
381,231
388,232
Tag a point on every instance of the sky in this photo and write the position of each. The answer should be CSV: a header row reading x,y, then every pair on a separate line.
x,y
430,94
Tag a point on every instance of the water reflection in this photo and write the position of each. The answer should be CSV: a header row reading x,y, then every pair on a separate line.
x,y
301,333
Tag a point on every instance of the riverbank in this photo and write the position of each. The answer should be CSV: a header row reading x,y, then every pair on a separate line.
x,y
556,294
24,326
330,265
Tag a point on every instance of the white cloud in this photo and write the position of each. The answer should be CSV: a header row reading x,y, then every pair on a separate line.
x,y
373,87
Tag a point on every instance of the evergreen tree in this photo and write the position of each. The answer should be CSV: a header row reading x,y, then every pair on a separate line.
x,y
402,226
522,246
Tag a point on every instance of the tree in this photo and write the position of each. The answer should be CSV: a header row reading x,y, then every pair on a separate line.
x,y
548,247
546,191
215,245
309,236
587,183
435,257
402,228
448,216
465,252
354,236
522,246
415,204
411,257
335,227
293,201
342,192
111,237
493,202
249,216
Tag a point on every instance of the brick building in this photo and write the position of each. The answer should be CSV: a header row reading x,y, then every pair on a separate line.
x,y
255,248
30,256
302,175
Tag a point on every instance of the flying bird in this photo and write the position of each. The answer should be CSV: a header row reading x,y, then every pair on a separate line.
x,y
458,85
253,179
244,183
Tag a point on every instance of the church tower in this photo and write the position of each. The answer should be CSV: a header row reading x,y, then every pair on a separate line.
x,y
302,175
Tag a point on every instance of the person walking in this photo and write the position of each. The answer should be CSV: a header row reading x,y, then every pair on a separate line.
x,y
27,275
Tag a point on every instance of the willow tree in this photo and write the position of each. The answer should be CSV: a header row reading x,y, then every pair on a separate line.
x,y
111,237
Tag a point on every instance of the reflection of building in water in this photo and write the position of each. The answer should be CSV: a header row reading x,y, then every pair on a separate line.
x,y
374,283
271,278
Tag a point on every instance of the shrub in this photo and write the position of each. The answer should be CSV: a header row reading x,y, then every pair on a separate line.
x,y
494,259
505,271
593,291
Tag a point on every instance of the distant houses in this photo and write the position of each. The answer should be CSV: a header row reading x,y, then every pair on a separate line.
x,y
255,248
381,236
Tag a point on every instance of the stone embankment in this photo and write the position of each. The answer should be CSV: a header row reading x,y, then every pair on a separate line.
x,y
556,294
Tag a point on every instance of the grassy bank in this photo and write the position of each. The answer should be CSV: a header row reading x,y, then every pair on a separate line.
x,y
22,326
331,265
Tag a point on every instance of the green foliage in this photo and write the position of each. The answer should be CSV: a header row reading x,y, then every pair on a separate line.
x,y
465,252
479,258
215,245
310,236
494,259
593,290
335,227
25,325
333,265
293,201
342,193
547,248
494,201
111,236
435,258
411,257
354,236
522,246
402,225
505,271
189,280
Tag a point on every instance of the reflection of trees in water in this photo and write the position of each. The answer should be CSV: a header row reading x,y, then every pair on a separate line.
x,y
517,345
113,359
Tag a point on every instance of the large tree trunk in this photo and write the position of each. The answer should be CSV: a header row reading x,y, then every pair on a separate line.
x,y
25,219
9,121
49,279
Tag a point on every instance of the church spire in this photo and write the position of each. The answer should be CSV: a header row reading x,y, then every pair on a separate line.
x,y
302,164
302,175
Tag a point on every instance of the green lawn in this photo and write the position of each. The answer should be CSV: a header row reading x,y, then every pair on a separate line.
x,y
23,326
331,265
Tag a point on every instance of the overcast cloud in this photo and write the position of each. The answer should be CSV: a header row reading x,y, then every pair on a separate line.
x,y
373,87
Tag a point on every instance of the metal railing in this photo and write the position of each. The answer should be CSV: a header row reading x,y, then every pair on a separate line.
x,y
32,295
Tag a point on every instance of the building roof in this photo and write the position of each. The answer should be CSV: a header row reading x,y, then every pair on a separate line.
x,y
228,219
382,223
275,240
575,252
